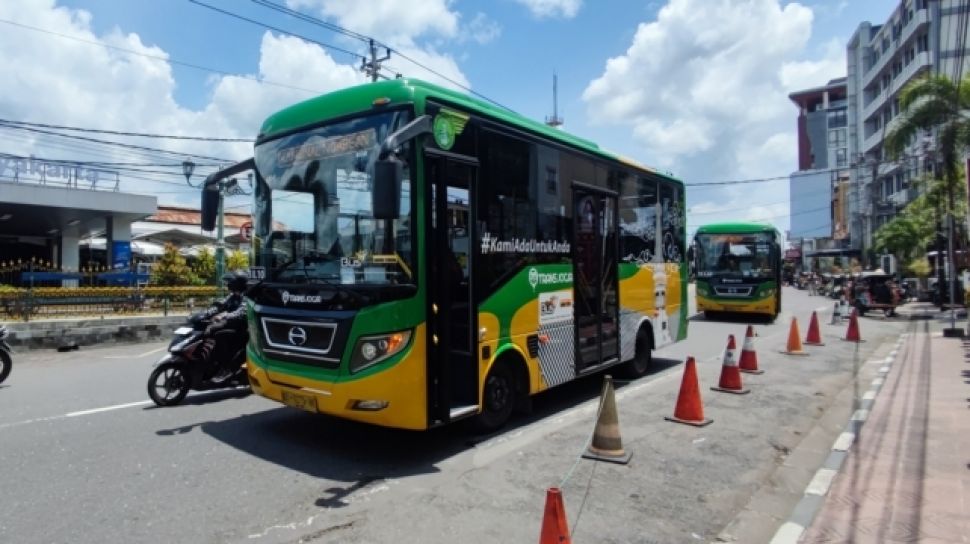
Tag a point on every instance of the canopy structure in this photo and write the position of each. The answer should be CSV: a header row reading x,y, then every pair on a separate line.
x,y
138,247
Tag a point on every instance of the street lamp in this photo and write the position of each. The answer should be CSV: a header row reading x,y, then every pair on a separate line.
x,y
187,168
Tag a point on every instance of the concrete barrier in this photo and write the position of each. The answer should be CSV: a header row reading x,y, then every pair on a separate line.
x,y
92,331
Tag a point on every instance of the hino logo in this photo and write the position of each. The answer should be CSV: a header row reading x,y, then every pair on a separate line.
x,y
297,336
303,299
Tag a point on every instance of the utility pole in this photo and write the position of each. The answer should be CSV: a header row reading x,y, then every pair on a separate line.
x,y
372,67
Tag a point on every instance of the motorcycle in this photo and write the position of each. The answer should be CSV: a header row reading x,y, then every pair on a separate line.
x,y
6,362
178,371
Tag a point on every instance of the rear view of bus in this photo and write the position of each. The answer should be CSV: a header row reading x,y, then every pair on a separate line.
x,y
738,269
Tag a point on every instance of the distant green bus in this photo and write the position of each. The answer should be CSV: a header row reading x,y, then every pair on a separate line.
x,y
738,268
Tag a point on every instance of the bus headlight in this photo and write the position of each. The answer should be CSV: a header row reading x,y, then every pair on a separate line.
x,y
371,350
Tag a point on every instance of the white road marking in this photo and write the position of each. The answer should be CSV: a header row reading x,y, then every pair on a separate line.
x,y
139,356
860,415
869,395
107,408
877,382
103,409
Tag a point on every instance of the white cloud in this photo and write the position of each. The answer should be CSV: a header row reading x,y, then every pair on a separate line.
x,y
390,21
401,25
69,82
799,75
481,29
567,9
703,91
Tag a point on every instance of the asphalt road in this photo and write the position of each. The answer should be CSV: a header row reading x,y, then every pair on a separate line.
x,y
85,457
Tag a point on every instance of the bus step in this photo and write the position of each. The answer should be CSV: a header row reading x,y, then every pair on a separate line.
x,y
462,411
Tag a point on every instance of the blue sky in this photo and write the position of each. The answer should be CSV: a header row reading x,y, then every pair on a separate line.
x,y
697,87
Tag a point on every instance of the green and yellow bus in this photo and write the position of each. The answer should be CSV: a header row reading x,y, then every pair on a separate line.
x,y
424,256
738,268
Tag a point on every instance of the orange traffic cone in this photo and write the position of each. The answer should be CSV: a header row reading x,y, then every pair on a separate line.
x,y
554,527
749,358
852,334
689,409
794,346
730,373
606,444
814,337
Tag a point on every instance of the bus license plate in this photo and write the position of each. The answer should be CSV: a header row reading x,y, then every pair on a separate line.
x,y
297,400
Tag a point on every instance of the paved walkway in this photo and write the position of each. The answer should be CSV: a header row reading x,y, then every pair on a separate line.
x,y
907,478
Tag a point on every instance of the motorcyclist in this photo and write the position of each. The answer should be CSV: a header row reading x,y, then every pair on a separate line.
x,y
227,332
236,285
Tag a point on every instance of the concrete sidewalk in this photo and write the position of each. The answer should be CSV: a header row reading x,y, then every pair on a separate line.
x,y
907,477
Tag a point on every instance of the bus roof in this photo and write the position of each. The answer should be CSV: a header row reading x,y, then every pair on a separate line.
x,y
361,98
737,227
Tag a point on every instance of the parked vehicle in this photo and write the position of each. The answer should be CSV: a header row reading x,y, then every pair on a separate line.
x,y
6,362
181,370
874,291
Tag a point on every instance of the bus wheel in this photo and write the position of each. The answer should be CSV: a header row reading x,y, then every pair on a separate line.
x,y
498,399
642,357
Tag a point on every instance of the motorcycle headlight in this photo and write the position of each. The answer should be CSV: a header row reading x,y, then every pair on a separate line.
x,y
371,350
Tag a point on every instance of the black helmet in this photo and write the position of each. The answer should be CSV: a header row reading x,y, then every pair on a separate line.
x,y
236,282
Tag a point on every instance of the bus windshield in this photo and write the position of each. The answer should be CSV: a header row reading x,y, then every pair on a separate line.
x,y
312,209
746,255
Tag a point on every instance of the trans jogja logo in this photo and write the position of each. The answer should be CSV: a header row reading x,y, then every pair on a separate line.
x,y
301,299
537,278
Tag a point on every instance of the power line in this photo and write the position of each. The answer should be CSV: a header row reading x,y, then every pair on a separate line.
x,y
276,29
113,143
162,58
120,133
375,65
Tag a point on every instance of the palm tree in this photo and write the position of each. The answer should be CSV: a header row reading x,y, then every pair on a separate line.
x,y
935,103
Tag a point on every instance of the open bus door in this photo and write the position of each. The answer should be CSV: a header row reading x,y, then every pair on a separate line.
x,y
452,353
595,257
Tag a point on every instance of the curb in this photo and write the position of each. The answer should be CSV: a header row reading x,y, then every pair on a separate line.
x,y
811,502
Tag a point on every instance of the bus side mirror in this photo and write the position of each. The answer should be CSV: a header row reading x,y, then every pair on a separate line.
x,y
386,196
210,207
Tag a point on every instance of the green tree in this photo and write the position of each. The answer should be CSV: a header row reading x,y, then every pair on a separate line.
x,y
172,269
205,266
237,260
935,103
901,237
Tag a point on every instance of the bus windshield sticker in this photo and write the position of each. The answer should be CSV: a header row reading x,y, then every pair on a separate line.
x,y
519,245
448,125
320,148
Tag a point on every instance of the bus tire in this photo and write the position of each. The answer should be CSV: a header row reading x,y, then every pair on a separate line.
x,y
498,397
642,357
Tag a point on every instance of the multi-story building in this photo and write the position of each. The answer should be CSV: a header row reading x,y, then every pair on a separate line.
x,y
920,37
818,190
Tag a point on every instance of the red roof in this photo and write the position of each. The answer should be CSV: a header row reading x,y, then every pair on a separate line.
x,y
190,216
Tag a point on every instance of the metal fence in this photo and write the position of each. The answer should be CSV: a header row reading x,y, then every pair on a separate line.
x,y
67,302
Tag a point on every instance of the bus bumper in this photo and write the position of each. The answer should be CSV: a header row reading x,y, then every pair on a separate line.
x,y
764,306
393,398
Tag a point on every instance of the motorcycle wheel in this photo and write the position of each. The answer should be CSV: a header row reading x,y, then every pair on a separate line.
x,y
6,364
168,384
